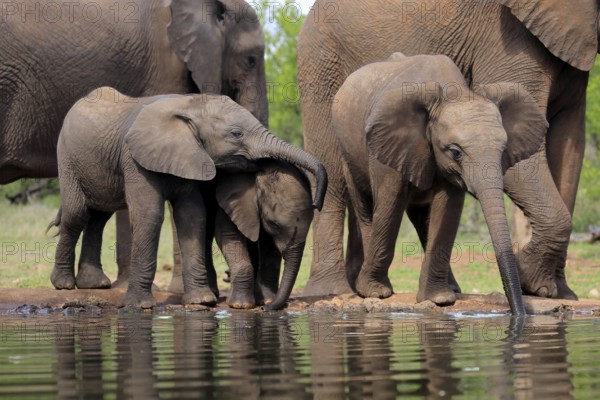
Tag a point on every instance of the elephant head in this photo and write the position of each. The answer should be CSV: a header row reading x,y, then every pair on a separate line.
x,y
191,135
277,200
222,44
443,128
570,33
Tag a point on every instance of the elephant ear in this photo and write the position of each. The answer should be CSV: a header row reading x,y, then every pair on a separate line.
x,y
236,195
568,29
522,118
396,135
196,34
160,140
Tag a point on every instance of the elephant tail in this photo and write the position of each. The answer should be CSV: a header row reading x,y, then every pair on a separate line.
x,y
56,222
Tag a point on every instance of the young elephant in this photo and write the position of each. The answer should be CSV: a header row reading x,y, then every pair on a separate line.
x,y
263,216
411,131
120,152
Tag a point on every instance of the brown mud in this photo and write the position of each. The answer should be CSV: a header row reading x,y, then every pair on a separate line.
x,y
45,301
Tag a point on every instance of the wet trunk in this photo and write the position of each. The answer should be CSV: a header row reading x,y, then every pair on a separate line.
x,y
492,204
293,259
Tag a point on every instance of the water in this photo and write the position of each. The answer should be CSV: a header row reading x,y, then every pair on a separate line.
x,y
247,355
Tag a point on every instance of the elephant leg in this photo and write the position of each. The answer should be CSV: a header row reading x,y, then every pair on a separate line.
x,y
529,184
389,203
90,274
328,270
176,284
123,249
419,216
210,202
189,214
234,247
444,218
269,268
565,147
146,213
72,222
360,215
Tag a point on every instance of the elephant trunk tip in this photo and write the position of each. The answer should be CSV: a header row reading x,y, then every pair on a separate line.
x,y
321,187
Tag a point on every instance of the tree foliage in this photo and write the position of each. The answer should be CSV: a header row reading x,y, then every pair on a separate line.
x,y
282,23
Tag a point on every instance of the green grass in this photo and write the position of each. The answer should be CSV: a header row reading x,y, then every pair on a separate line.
x,y
27,255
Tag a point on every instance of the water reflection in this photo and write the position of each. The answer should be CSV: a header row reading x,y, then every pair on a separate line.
x,y
245,355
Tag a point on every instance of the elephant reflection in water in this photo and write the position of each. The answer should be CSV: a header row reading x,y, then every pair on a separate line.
x,y
136,357
194,338
262,353
79,373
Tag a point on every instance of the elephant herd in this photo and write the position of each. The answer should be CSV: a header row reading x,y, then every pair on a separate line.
x,y
406,106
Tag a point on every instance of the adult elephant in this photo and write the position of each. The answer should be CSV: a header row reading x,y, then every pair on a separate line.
x,y
548,46
52,54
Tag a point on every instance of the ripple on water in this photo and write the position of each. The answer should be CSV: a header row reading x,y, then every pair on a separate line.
x,y
297,355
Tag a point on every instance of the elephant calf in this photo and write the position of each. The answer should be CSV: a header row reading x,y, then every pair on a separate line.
x,y
136,153
263,216
412,132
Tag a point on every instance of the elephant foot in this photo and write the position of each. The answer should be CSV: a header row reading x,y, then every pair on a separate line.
x,y
176,284
332,282
452,283
266,296
564,291
537,273
91,277
240,299
443,296
202,296
137,299
370,287
63,279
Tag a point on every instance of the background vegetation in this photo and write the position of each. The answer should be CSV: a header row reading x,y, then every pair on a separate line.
x,y
27,252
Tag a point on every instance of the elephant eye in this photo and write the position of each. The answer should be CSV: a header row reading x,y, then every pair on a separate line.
x,y
237,133
455,153
252,62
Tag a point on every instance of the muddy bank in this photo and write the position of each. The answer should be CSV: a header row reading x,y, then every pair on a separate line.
x,y
35,301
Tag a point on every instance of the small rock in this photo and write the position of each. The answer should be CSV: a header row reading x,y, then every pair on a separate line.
x,y
70,311
338,302
324,306
26,309
401,307
594,293
354,307
426,305
562,310
375,305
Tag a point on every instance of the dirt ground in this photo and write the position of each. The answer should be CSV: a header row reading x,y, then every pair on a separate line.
x,y
44,301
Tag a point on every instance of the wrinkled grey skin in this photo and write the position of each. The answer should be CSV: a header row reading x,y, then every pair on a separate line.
x,y
54,53
263,217
548,46
412,132
137,153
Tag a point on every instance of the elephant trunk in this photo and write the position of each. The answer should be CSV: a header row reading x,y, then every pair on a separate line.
x,y
292,259
491,197
270,146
